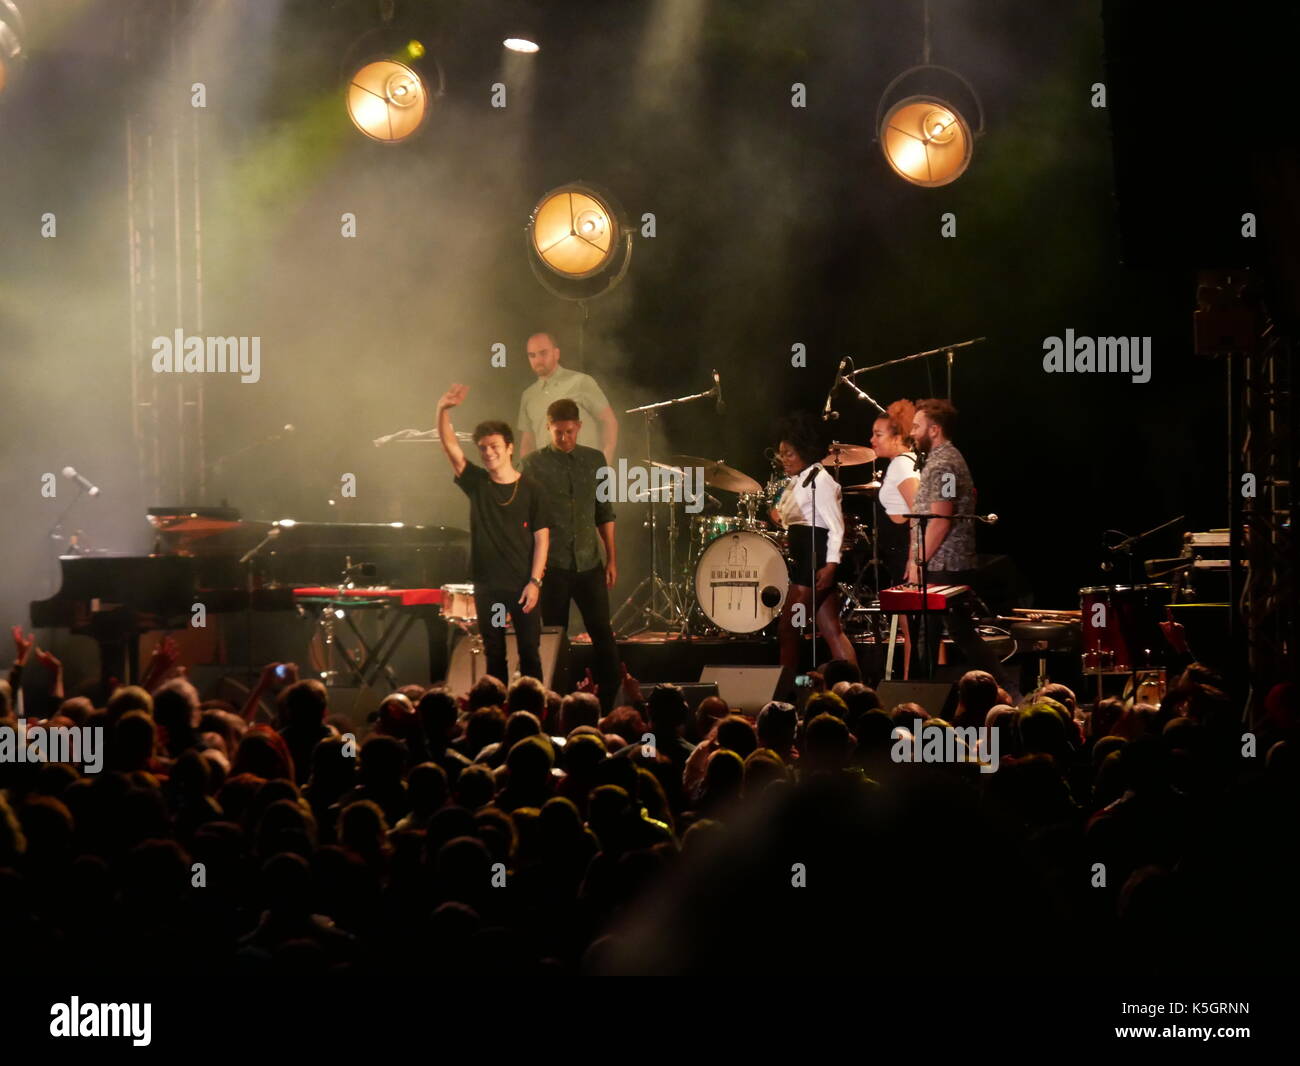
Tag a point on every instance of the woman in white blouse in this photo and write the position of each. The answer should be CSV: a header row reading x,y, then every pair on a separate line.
x,y
809,508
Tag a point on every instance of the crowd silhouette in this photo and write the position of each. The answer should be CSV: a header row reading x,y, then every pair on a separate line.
x,y
515,830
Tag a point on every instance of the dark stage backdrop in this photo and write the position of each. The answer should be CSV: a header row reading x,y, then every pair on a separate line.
x,y
776,226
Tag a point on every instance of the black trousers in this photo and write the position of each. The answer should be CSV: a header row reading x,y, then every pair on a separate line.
x,y
528,631
961,628
588,589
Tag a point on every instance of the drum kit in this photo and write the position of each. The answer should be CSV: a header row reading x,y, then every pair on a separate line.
x,y
732,578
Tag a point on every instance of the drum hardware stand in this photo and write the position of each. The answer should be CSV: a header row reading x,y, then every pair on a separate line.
x,y
662,599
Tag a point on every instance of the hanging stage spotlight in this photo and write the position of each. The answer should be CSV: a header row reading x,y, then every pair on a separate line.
x,y
579,242
12,55
926,139
521,44
389,96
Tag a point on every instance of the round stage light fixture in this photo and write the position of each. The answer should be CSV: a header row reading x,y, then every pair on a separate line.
x,y
392,84
926,141
579,242
926,138
521,44
12,55
387,101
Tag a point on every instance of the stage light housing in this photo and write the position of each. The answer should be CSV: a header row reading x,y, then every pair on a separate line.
x,y
521,44
12,55
392,86
579,242
926,138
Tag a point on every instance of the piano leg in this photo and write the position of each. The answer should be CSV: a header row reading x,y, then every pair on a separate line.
x,y
119,649
438,633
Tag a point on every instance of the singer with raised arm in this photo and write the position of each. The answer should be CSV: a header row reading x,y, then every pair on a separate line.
x,y
810,509
947,491
509,530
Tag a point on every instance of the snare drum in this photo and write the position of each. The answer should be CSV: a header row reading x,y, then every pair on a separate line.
x,y
741,581
458,605
1121,627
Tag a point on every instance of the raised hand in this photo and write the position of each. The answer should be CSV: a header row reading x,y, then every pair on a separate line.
x,y
22,645
47,660
631,686
588,684
454,396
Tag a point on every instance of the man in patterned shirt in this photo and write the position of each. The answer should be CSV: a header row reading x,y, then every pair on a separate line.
x,y
946,489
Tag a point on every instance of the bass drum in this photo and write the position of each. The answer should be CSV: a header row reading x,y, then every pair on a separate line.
x,y
741,582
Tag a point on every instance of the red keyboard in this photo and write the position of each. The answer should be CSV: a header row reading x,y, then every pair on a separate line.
x,y
904,599
398,597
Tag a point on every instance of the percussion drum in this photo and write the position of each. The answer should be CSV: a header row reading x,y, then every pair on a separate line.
x,y
705,529
458,605
1121,627
741,581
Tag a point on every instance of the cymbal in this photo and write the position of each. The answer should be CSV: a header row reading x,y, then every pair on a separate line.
x,y
848,455
861,490
718,475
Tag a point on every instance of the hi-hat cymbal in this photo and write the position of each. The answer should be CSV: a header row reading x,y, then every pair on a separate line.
x,y
718,475
848,455
861,490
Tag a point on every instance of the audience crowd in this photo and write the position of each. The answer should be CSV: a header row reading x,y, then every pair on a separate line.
x,y
511,829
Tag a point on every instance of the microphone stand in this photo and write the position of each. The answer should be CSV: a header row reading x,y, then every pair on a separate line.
x,y
862,395
1129,543
847,379
947,349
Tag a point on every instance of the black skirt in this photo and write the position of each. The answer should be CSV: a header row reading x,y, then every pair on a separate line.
x,y
894,542
807,547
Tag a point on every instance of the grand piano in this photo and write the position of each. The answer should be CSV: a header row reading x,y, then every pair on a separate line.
x,y
211,555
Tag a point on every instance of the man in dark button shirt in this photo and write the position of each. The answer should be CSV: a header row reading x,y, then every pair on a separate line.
x,y
568,473
508,538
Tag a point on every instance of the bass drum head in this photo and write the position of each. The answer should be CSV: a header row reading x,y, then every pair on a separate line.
x,y
741,582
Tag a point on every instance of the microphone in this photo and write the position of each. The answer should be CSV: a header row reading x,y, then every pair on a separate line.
x,y
717,392
85,483
812,473
827,414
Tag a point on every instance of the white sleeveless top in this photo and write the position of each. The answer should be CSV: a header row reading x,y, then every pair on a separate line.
x,y
901,468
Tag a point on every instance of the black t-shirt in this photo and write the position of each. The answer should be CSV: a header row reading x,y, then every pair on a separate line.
x,y
502,521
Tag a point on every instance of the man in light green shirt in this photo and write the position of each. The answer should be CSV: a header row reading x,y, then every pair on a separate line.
x,y
555,382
